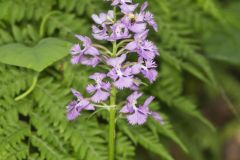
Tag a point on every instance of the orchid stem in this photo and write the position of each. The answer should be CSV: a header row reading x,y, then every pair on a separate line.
x,y
115,48
112,110
112,132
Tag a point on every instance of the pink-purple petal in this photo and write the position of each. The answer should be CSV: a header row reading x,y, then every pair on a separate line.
x,y
138,27
151,74
100,96
157,117
123,82
91,88
137,118
132,46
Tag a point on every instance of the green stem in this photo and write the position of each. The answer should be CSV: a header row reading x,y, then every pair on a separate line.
x,y
124,41
112,110
114,49
112,114
29,90
102,47
44,21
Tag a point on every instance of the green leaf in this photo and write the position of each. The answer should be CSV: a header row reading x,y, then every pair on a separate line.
x,y
45,53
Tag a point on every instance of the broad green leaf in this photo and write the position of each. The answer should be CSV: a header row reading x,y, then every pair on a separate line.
x,y
38,57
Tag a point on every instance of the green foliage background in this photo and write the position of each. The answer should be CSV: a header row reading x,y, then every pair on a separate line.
x,y
198,41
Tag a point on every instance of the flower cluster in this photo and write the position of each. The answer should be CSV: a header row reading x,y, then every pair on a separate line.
x,y
127,31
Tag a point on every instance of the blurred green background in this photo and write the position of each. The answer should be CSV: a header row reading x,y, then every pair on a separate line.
x,y
197,92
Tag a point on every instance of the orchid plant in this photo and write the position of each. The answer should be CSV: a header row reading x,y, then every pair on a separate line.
x,y
127,30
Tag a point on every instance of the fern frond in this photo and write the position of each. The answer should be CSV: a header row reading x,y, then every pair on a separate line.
x,y
87,141
147,139
47,150
124,148
12,145
167,130
18,152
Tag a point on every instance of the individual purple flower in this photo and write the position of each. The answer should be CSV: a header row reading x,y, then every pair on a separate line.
x,y
143,47
137,22
104,18
100,91
134,23
72,110
88,48
147,68
138,115
88,55
100,34
122,77
76,106
131,102
148,16
119,31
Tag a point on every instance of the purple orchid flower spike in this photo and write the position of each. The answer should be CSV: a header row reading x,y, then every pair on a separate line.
x,y
147,68
143,47
122,76
138,115
86,56
101,89
76,106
